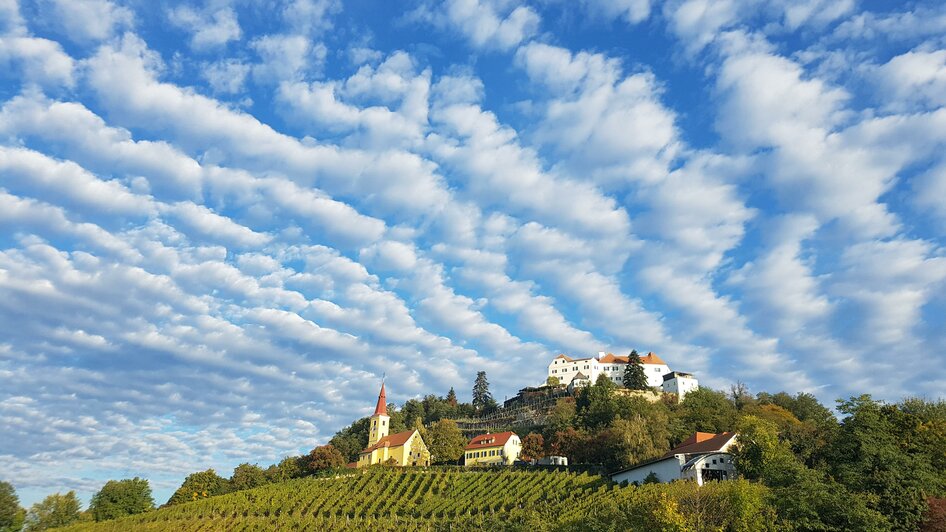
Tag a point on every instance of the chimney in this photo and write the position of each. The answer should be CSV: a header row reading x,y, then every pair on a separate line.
x,y
600,355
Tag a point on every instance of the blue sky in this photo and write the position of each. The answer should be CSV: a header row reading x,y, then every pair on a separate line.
x,y
221,223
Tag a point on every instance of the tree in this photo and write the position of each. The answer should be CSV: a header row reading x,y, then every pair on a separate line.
x,y
247,476
54,511
445,442
452,397
287,468
324,457
634,377
533,446
200,485
482,398
352,439
11,515
119,498
553,381
706,410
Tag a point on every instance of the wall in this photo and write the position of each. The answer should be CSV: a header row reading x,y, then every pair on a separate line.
x,y
666,470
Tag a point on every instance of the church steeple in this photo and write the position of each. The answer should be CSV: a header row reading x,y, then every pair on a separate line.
x,y
382,408
379,420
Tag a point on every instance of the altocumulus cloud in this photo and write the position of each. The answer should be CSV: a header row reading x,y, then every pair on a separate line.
x,y
221,223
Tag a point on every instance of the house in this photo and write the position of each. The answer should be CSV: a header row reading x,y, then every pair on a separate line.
x,y
566,368
402,449
578,381
701,457
501,448
679,383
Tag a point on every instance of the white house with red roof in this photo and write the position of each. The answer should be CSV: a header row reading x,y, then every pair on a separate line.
x,y
702,457
566,368
500,448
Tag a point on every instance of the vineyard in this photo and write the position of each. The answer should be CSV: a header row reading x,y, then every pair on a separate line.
x,y
380,499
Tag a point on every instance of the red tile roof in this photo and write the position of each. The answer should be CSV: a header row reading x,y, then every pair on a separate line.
x,y
485,441
702,442
651,358
382,406
392,440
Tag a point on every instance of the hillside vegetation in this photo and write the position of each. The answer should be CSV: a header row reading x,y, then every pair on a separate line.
x,y
451,499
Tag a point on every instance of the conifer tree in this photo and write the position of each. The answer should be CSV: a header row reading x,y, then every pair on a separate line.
x,y
634,377
482,398
452,397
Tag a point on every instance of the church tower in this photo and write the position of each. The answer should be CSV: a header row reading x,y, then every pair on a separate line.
x,y
379,420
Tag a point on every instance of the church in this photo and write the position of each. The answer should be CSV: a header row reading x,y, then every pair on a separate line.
x,y
402,449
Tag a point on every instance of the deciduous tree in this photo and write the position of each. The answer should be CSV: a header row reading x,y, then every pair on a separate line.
x,y
246,476
533,446
54,511
324,457
119,498
445,442
200,485
11,515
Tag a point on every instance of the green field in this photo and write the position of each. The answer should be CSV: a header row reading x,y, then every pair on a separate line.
x,y
383,499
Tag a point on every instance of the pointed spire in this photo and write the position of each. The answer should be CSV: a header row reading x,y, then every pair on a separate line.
x,y
382,408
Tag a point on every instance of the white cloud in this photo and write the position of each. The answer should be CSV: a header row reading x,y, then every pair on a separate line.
x,y
226,76
286,58
211,28
311,16
90,20
914,79
487,24
205,222
39,60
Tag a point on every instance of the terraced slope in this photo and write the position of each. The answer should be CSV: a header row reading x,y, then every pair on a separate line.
x,y
381,499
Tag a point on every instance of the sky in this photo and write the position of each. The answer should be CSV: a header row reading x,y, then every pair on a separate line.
x,y
222,222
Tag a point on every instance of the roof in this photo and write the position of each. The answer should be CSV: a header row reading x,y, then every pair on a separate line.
x,y
486,441
382,406
391,440
675,374
651,358
702,442
579,375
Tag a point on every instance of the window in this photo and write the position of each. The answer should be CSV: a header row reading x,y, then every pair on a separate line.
x,y
383,422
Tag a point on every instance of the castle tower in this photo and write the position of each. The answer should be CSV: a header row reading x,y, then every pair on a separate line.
x,y
379,420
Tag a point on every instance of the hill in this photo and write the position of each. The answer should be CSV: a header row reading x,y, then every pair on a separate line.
x,y
379,499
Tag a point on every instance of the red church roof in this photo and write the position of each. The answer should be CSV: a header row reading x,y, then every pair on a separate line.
x,y
382,407
392,440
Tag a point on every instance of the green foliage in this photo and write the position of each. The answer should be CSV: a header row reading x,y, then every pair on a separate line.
x,y
200,486
706,410
683,506
288,468
247,476
482,398
553,381
54,511
869,455
119,498
634,377
445,442
452,397
352,439
10,511
322,458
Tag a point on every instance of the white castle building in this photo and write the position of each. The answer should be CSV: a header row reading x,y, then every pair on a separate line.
x,y
584,371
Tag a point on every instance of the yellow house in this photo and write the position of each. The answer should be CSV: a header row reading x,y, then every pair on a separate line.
x,y
402,449
502,448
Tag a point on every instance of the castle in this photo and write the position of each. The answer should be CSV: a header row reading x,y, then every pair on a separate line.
x,y
577,372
